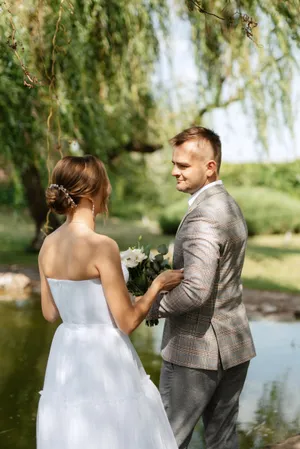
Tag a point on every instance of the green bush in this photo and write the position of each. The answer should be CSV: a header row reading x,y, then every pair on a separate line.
x,y
266,211
170,219
11,195
284,177
134,193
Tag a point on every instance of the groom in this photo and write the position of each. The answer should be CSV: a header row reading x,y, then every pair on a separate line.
x,y
207,342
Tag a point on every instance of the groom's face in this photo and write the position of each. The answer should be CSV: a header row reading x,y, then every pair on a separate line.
x,y
192,165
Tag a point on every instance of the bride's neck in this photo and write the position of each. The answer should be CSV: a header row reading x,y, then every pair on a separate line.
x,y
82,214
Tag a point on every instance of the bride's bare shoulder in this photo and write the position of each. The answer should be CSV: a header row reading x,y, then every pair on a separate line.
x,y
47,241
104,243
50,238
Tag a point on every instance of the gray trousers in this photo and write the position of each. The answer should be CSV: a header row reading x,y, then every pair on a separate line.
x,y
188,394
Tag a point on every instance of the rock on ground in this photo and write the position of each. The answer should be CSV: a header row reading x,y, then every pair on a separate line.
x,y
14,285
290,443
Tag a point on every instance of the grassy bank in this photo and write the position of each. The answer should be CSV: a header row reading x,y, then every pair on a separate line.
x,y
272,262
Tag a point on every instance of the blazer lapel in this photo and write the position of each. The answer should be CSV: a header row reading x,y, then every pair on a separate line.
x,y
180,224
203,196
192,207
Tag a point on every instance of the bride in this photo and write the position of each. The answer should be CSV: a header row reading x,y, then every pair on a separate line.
x,y
96,394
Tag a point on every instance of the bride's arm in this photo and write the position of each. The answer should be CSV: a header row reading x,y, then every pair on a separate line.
x,y
49,308
128,316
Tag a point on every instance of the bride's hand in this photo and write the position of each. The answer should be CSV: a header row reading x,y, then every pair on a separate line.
x,y
169,279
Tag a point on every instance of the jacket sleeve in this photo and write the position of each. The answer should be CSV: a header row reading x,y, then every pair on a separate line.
x,y
201,254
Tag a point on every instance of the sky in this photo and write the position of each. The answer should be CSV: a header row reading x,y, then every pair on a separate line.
x,y
237,134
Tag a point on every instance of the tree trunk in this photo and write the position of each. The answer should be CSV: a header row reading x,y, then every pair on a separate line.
x,y
35,196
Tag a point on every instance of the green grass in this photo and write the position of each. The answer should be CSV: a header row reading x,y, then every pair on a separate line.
x,y
272,262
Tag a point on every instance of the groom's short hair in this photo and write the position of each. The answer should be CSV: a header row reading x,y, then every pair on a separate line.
x,y
199,133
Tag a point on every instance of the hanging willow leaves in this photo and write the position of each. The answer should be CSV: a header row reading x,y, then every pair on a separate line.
x,y
81,71
248,52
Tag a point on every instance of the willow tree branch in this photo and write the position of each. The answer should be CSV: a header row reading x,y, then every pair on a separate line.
x,y
141,147
221,104
134,147
197,5
247,22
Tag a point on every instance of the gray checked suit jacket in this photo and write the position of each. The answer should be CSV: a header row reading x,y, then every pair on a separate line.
x,y
206,319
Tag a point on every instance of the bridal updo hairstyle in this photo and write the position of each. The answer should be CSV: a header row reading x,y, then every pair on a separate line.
x,y
76,177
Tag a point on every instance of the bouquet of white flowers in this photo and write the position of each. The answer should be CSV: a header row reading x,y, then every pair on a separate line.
x,y
143,266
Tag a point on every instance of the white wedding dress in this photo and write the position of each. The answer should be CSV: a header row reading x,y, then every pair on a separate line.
x,y
96,393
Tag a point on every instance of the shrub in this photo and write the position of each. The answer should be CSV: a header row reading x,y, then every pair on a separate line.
x,y
284,177
266,211
170,219
11,194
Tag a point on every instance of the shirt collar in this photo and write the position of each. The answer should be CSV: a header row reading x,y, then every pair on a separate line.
x,y
207,186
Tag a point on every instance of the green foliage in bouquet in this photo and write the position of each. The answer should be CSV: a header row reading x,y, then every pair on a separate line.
x,y
144,266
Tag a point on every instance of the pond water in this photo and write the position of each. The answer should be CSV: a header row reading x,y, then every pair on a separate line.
x,y
270,402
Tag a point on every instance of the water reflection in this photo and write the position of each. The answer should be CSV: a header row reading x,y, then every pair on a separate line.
x,y
24,341
269,407
270,403
271,421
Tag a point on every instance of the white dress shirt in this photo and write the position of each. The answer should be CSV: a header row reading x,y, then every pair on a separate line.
x,y
207,186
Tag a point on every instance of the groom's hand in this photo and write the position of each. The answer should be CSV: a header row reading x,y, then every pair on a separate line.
x,y
151,323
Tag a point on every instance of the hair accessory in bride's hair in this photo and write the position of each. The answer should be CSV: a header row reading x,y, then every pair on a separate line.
x,y
62,188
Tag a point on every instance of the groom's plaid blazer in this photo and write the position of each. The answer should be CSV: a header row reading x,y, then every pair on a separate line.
x,y
206,319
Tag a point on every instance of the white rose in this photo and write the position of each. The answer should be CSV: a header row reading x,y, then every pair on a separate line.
x,y
131,263
128,258
132,257
139,255
126,254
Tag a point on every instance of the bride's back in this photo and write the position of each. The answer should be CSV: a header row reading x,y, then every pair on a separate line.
x,y
69,253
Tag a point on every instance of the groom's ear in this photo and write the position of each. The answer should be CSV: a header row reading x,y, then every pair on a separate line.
x,y
211,168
